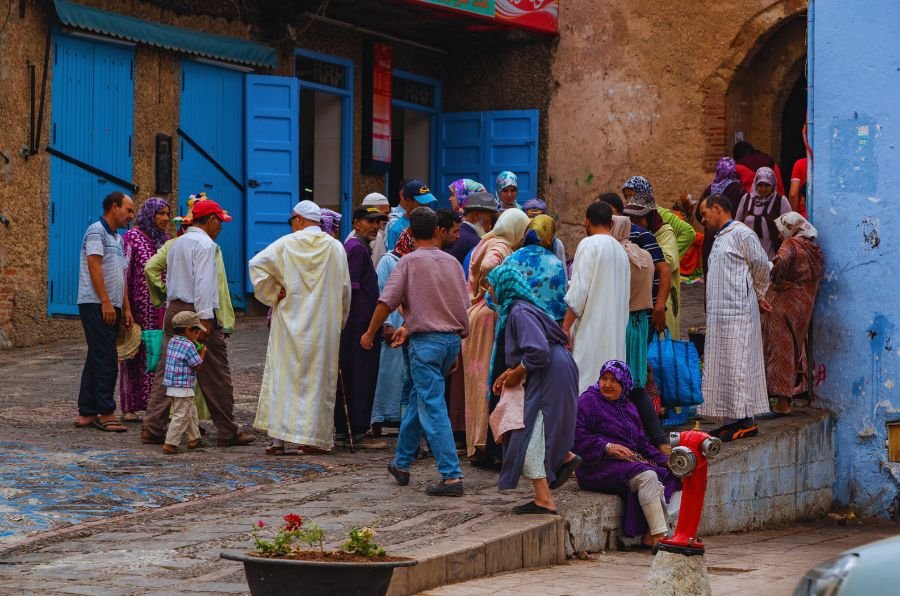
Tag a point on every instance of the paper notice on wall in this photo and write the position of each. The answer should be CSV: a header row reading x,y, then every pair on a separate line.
x,y
381,102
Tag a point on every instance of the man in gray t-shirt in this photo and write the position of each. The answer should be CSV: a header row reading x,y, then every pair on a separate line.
x,y
103,306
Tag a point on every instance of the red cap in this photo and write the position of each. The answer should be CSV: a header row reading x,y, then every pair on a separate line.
x,y
210,207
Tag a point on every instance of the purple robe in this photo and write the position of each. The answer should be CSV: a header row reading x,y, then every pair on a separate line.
x,y
358,367
551,387
600,422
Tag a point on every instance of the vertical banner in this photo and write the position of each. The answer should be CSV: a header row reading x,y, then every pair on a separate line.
x,y
377,107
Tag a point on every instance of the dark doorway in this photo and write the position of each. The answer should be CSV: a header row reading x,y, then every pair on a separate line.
x,y
792,120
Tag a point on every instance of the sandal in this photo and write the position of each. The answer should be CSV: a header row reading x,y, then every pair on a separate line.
x,y
278,450
130,417
307,450
532,507
565,472
109,425
77,424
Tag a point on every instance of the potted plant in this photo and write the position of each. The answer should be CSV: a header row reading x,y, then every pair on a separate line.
x,y
292,560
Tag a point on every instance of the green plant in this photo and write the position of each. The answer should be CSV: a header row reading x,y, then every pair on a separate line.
x,y
361,543
289,537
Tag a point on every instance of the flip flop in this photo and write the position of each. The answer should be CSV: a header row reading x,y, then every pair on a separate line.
x,y
105,426
307,450
565,472
77,424
533,508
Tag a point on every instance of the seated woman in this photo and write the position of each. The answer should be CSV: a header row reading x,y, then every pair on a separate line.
x,y
618,457
535,352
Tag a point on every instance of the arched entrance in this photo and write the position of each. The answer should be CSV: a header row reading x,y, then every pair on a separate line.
x,y
758,92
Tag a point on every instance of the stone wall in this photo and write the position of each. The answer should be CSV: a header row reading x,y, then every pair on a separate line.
x,y
641,88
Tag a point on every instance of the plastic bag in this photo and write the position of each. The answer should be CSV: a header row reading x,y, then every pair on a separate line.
x,y
153,339
676,370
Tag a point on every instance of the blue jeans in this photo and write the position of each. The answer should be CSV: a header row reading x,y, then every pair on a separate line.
x,y
431,355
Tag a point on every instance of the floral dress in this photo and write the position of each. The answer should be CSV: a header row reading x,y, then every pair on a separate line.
x,y
134,380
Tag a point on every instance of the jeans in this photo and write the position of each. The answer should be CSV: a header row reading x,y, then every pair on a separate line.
x,y
431,355
101,367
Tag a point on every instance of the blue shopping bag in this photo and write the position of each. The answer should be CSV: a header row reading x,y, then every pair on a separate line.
x,y
676,370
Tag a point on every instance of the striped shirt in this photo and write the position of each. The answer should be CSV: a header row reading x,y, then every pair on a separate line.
x,y
647,241
100,239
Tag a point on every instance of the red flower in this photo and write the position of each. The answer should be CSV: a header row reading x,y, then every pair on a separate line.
x,y
292,522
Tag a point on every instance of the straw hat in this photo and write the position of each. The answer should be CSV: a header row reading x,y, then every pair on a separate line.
x,y
128,342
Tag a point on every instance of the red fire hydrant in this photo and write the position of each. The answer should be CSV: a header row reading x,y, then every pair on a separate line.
x,y
690,451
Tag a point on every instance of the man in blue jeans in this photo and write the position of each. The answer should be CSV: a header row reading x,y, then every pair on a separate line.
x,y
429,284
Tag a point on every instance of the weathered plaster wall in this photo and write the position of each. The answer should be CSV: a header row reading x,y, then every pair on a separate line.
x,y
641,89
856,176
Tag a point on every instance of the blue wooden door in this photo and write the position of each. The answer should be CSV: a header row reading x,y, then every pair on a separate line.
x,y
273,158
211,157
91,122
480,145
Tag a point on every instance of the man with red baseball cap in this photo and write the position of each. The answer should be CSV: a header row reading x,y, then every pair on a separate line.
x,y
192,284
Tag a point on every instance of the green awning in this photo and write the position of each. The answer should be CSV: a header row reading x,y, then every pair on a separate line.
x,y
168,37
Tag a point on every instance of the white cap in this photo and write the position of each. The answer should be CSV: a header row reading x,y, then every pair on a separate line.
x,y
375,199
308,210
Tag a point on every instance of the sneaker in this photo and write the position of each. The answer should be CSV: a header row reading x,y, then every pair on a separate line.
x,y
737,430
238,441
401,476
442,489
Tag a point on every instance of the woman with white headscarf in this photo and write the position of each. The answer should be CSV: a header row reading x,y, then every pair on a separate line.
x,y
759,209
796,272
506,236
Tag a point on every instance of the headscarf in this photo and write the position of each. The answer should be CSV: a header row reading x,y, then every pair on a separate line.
x,y
146,220
639,185
463,187
622,374
726,174
511,226
621,230
763,175
541,231
534,207
330,221
506,178
404,244
793,224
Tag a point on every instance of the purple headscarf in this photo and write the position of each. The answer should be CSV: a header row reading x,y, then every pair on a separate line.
x,y
146,220
330,222
726,174
463,187
622,374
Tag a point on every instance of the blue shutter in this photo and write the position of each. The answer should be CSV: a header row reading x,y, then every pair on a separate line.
x,y
92,121
212,101
460,151
480,145
510,143
273,158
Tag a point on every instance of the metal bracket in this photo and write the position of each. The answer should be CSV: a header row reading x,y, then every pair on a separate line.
x,y
89,168
210,159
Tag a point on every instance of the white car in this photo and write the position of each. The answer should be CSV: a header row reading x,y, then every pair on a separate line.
x,y
868,570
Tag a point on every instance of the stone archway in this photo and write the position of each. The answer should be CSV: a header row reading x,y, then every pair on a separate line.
x,y
748,91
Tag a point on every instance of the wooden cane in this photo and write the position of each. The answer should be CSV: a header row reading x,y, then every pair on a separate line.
x,y
346,412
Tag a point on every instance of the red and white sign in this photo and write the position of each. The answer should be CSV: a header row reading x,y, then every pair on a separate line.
x,y
382,79
537,15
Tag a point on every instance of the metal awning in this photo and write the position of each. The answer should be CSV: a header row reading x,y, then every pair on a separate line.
x,y
198,43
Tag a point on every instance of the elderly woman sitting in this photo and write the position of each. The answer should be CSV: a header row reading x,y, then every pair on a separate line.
x,y
618,457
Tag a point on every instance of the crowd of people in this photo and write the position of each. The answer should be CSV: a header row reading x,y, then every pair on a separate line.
x,y
468,330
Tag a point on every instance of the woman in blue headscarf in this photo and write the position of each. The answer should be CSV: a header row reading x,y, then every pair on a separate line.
x,y
544,273
536,355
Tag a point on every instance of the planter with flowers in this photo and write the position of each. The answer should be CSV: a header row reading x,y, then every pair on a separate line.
x,y
292,560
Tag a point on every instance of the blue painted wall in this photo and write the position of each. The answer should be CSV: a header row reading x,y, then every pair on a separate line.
x,y
855,204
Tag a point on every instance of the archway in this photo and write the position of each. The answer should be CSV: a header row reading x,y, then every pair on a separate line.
x,y
750,96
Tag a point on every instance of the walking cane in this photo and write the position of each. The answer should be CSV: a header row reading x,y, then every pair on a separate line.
x,y
346,412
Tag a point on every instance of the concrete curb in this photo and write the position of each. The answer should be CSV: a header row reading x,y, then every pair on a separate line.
x,y
507,545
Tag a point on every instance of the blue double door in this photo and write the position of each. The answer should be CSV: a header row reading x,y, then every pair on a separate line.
x,y
91,128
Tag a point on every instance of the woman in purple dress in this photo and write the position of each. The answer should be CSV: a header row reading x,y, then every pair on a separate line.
x,y
618,457
534,348
140,244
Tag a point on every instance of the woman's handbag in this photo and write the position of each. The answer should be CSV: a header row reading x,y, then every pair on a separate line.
x,y
153,339
676,370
